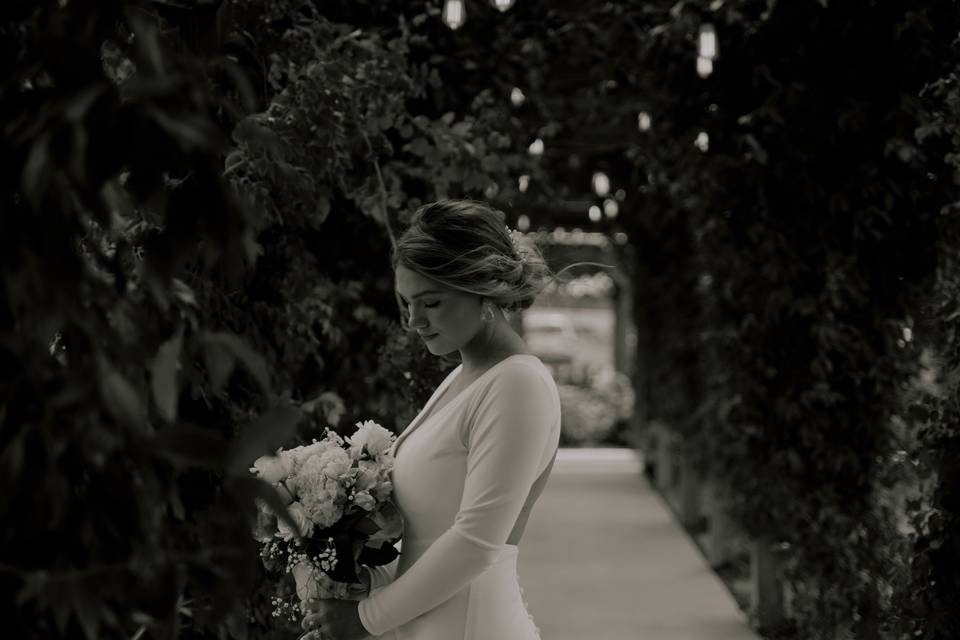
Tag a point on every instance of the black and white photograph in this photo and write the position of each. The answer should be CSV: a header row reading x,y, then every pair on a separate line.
x,y
480,319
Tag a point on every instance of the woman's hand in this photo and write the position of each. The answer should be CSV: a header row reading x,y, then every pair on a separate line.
x,y
333,620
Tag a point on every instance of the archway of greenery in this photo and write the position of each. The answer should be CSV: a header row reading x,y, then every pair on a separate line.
x,y
198,205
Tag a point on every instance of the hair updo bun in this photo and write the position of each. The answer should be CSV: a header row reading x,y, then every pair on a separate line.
x,y
466,245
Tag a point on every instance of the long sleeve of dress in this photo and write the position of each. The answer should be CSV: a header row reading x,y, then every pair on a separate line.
x,y
508,437
383,574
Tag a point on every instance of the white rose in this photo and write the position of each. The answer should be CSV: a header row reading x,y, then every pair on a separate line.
x,y
300,517
299,455
325,507
335,463
370,434
272,468
364,500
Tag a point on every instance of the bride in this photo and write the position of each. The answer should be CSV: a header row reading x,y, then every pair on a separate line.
x,y
472,463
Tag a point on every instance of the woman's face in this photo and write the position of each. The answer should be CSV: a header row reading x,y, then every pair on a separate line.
x,y
445,318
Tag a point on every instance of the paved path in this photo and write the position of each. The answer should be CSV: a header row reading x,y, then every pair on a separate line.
x,y
603,559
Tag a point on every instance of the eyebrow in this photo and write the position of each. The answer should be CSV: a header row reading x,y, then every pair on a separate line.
x,y
422,293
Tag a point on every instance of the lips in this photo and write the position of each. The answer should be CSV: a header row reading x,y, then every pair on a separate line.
x,y
428,336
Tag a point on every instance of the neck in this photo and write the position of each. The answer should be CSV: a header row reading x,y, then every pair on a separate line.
x,y
492,344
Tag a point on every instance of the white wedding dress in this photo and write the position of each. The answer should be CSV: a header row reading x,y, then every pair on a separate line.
x,y
465,479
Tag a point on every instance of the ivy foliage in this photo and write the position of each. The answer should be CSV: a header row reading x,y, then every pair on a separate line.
x,y
792,266
198,210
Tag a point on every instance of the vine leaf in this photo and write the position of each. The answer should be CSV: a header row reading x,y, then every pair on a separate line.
x,y
163,376
262,435
221,349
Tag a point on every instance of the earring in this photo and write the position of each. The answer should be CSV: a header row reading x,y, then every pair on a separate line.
x,y
487,313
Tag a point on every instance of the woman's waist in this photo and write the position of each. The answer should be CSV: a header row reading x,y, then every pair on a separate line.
x,y
414,547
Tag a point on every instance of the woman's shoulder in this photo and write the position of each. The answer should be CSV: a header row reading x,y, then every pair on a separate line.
x,y
522,373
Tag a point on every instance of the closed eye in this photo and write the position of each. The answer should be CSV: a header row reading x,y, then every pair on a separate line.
x,y
431,305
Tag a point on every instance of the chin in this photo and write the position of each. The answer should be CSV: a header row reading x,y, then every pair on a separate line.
x,y
440,349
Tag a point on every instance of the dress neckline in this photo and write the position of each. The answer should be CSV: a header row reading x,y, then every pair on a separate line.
x,y
425,415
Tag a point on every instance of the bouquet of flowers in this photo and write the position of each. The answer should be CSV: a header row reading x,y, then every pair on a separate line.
x,y
338,495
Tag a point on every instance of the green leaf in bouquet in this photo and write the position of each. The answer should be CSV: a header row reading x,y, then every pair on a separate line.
x,y
389,522
366,526
264,434
346,568
378,556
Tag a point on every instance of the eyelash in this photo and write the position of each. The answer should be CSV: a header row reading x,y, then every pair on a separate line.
x,y
433,305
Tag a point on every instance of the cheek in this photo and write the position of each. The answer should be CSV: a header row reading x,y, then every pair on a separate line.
x,y
457,319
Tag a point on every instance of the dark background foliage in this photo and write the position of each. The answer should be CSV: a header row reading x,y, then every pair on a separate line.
x,y
198,204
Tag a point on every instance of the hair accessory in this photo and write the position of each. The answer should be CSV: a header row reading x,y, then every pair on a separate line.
x,y
515,240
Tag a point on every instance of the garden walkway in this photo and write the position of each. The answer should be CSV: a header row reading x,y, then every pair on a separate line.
x,y
603,559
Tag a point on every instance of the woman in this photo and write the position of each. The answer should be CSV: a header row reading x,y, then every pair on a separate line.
x,y
471,465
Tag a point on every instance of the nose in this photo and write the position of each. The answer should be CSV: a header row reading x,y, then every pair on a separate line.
x,y
417,321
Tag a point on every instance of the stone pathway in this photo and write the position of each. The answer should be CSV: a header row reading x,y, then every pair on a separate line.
x,y
603,559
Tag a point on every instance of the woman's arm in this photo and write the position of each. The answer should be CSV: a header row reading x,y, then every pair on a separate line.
x,y
515,423
379,576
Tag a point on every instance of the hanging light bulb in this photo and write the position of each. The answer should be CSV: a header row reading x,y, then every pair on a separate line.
x,y
517,97
601,183
594,213
707,52
454,14
502,5
704,66
643,121
536,147
708,41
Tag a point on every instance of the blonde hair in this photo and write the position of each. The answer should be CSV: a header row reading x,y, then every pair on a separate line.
x,y
466,245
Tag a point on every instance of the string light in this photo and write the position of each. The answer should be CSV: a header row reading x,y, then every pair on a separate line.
x,y
601,183
643,121
523,222
523,183
454,14
502,5
610,208
704,67
517,97
707,52
536,147
703,141
708,41
594,213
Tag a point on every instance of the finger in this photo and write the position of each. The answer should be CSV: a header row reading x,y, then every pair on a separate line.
x,y
311,621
